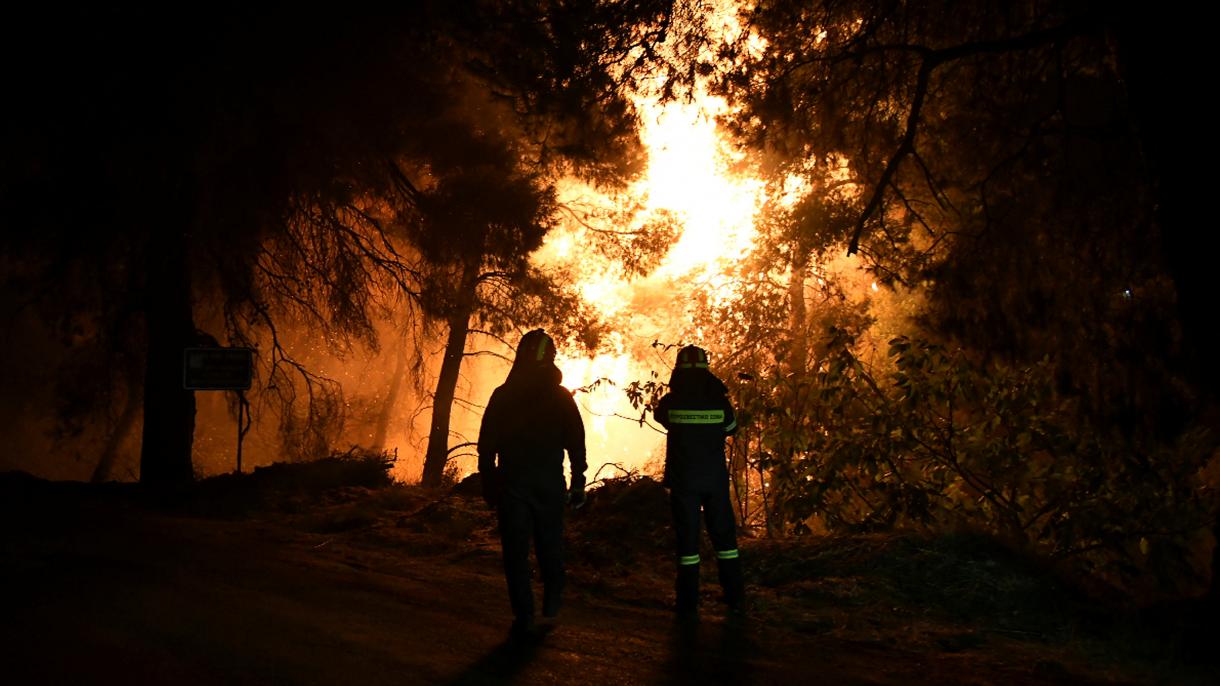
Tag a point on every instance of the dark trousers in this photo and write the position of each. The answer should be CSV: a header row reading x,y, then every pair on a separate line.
x,y
717,511
536,513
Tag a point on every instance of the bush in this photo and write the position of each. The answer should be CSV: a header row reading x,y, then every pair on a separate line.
x,y
279,482
947,443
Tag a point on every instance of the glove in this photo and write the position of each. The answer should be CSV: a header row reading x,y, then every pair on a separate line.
x,y
576,497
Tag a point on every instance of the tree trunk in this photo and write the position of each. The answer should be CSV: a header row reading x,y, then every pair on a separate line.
x,y
122,427
798,347
391,399
437,454
169,409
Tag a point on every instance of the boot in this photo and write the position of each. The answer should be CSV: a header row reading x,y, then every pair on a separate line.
x,y
522,628
732,582
552,600
686,588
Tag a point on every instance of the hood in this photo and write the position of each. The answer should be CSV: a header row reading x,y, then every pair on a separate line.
x,y
696,380
534,374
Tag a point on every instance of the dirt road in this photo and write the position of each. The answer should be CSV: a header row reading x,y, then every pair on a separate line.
x,y
106,595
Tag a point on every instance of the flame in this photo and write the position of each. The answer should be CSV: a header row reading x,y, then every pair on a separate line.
x,y
603,401
688,175
608,437
691,176
606,290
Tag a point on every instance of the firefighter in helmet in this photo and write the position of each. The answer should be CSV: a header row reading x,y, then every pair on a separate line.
x,y
529,422
697,416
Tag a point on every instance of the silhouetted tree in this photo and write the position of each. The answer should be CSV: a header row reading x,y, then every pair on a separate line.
x,y
1011,163
245,167
1001,165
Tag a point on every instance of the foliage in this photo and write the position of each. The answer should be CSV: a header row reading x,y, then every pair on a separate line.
x,y
944,442
985,158
279,484
620,230
626,522
938,435
266,152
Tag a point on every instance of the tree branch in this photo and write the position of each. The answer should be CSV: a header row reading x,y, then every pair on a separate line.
x,y
931,60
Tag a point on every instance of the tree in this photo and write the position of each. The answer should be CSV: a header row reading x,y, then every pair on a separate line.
x,y
995,152
481,218
245,170
558,107
1001,155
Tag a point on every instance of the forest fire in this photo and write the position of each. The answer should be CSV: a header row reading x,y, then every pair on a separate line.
x,y
913,288
689,175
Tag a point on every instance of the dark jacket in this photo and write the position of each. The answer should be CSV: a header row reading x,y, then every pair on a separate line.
x,y
529,422
697,416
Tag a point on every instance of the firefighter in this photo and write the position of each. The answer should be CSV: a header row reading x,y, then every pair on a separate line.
x,y
697,416
529,422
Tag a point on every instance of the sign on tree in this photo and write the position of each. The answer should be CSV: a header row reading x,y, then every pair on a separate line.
x,y
217,369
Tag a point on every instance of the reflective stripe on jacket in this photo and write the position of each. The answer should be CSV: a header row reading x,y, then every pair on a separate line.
x,y
697,415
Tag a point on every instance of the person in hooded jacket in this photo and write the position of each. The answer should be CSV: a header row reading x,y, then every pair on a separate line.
x,y
697,416
529,422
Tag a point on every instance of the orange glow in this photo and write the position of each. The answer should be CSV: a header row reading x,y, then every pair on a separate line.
x,y
687,174
690,176
600,403
609,436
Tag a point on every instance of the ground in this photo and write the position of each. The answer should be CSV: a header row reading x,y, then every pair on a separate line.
x,y
397,585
